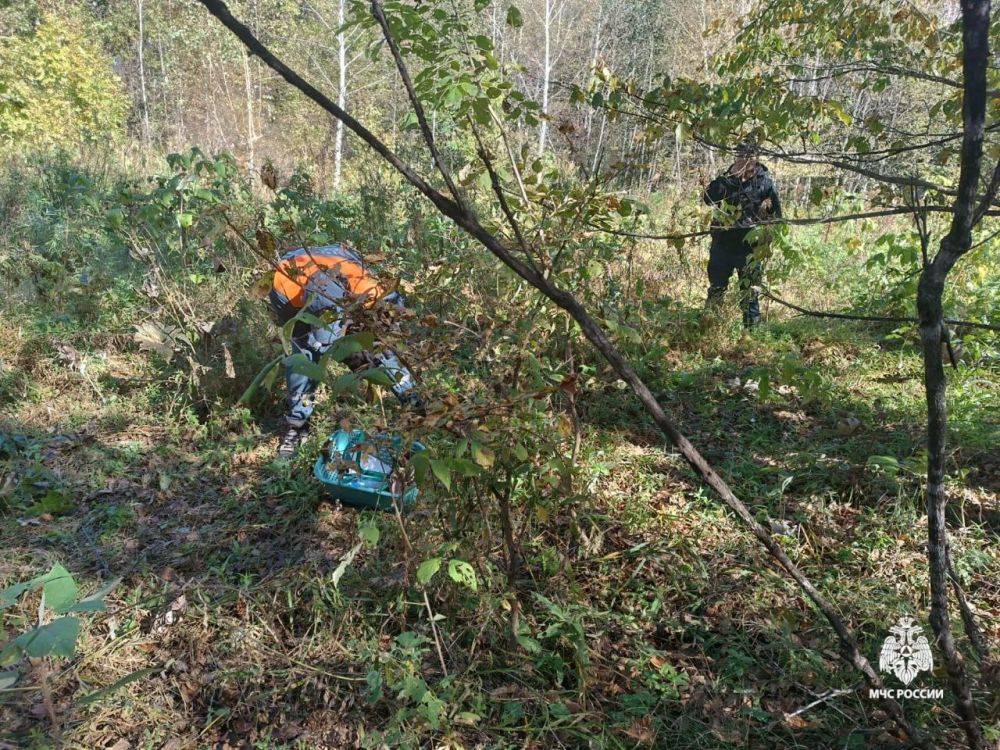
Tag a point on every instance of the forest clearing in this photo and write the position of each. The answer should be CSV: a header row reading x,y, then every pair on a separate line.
x,y
531,374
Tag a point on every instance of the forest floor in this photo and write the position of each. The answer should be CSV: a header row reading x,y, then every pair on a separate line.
x,y
657,621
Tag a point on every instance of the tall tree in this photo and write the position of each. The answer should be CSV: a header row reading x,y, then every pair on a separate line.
x,y
969,209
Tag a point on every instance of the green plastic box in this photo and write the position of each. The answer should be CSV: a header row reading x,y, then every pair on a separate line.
x,y
376,457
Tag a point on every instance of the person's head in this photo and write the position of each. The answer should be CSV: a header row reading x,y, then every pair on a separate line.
x,y
746,158
747,148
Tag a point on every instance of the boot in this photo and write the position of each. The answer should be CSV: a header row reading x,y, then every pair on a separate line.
x,y
291,440
751,310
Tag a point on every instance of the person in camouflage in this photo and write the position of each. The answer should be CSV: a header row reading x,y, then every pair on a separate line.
x,y
747,190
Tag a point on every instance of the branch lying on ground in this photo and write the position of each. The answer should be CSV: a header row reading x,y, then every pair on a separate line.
x,y
464,219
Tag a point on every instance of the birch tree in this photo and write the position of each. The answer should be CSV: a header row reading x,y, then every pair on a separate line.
x,y
338,145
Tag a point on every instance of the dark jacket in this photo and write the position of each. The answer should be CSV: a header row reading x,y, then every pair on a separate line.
x,y
750,196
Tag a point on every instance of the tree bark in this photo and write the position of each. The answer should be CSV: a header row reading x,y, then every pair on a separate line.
x,y
142,73
546,72
251,133
338,141
975,44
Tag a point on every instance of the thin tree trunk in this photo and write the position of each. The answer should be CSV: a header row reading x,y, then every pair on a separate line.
x,y
251,134
600,144
546,71
589,120
164,88
338,141
142,73
975,41
706,67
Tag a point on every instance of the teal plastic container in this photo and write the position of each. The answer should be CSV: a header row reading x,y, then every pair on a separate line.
x,y
376,457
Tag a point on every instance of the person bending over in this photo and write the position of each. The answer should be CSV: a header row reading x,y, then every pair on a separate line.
x,y
321,280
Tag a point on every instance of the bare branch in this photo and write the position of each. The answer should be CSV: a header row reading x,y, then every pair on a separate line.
x,y
989,196
418,108
872,318
804,221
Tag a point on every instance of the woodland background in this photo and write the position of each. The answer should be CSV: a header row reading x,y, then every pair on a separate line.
x,y
565,581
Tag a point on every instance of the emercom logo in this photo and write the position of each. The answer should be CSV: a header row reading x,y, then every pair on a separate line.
x,y
905,654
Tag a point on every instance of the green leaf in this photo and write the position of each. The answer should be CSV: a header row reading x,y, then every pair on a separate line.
x,y
374,681
413,688
12,593
888,464
409,639
764,387
482,455
840,113
370,534
442,470
60,589
258,380
58,638
463,573
427,569
8,679
464,467
432,708
53,594
343,383
53,501
378,376
421,465
529,644
515,19
302,365
481,111
116,217
344,348
351,344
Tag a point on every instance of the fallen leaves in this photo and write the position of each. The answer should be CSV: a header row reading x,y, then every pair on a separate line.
x,y
641,730
159,338
170,616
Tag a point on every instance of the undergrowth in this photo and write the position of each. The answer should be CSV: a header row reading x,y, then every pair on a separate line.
x,y
631,610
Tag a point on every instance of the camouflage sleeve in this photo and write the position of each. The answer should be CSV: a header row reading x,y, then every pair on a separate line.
x,y
775,200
